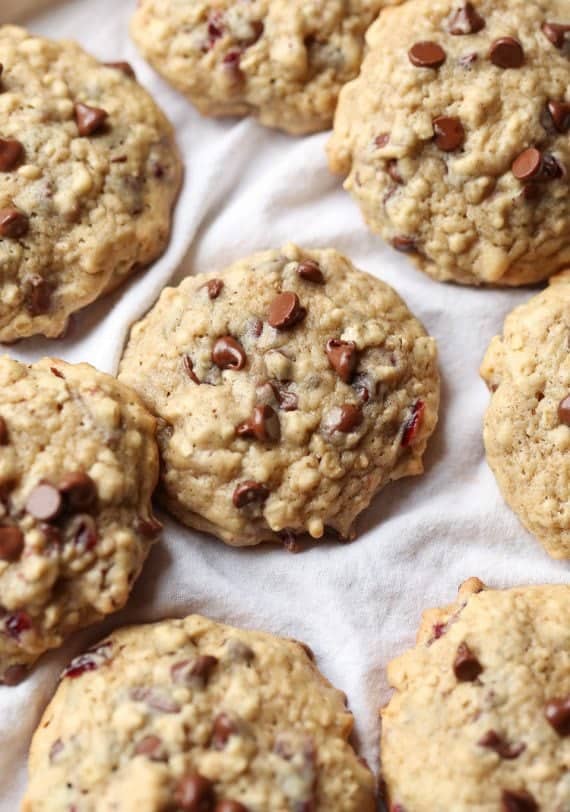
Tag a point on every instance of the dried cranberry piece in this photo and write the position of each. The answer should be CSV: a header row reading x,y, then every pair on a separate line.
x,y
90,660
17,623
413,424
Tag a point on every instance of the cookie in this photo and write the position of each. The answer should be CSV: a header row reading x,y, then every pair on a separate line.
x,y
480,718
283,61
291,387
88,175
78,465
527,425
454,138
194,716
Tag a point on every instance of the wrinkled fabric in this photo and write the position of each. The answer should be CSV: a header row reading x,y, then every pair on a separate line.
x,y
356,605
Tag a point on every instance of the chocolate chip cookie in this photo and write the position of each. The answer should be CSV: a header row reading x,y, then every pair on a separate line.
x,y
88,175
455,140
291,387
283,61
481,714
527,425
193,716
78,465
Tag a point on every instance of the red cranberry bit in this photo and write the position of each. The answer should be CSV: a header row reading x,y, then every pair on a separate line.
x,y
215,28
439,630
413,424
17,624
493,741
194,793
557,713
382,139
231,64
466,666
90,660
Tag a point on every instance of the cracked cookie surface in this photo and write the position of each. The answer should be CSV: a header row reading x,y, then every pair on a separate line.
x,y
454,138
88,175
283,61
196,716
78,465
527,424
291,387
480,720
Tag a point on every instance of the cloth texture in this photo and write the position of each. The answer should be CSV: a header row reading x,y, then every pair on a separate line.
x,y
357,605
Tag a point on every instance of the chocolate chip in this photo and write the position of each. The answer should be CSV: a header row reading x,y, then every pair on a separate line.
x,y
151,747
38,300
154,699
288,401
57,372
3,432
449,133
556,33
466,666
124,67
551,168
194,793
528,164
343,357
203,666
228,354
79,490
223,729
13,223
11,543
285,311
407,245
466,20
382,139
412,425
557,713
44,502
394,172
89,120
310,271
14,675
350,417
11,154
249,492
426,55
214,288
230,806
518,801
189,369
560,114
83,531
239,652
263,425
492,741
506,52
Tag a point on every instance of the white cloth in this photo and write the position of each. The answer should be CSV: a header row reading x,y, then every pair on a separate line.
x,y
356,605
